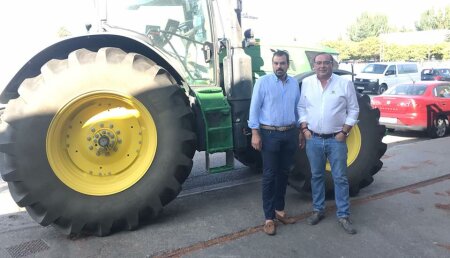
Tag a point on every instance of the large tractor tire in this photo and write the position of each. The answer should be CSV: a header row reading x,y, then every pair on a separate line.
x,y
98,142
365,149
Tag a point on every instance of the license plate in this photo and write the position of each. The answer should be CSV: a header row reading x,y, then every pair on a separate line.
x,y
388,120
360,88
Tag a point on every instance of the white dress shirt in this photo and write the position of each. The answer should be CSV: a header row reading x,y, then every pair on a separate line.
x,y
326,110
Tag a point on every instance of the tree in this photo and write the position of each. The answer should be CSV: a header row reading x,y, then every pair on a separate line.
x,y
434,20
368,25
369,49
366,50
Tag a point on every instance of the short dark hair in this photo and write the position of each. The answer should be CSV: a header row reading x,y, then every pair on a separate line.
x,y
324,53
281,53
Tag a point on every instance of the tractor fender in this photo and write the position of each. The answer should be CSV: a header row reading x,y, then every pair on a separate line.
x,y
93,42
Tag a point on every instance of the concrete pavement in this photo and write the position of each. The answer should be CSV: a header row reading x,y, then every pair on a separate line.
x,y
404,213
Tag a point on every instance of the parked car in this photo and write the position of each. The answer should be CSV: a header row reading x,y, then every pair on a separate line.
x,y
420,106
378,77
435,74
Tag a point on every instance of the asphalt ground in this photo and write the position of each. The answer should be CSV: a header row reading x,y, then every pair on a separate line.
x,y
405,212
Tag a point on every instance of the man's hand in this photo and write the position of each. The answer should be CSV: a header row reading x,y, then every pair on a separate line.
x,y
301,140
307,134
340,137
256,140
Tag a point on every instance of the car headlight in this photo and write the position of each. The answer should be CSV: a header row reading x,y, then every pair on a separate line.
x,y
373,80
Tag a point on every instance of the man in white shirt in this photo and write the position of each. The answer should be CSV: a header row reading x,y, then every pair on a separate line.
x,y
328,109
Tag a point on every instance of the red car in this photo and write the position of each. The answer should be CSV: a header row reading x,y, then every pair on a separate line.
x,y
420,106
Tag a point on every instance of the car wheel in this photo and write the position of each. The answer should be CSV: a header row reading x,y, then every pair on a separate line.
x,y
439,128
381,89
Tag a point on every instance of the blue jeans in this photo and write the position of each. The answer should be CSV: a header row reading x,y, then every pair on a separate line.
x,y
318,151
278,149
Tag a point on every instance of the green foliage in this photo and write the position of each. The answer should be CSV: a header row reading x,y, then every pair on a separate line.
x,y
372,49
434,20
365,45
446,52
368,49
368,25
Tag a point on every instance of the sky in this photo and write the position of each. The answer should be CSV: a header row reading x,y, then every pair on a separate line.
x,y
30,25
315,21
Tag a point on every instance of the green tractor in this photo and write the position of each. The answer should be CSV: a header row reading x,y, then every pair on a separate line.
x,y
100,130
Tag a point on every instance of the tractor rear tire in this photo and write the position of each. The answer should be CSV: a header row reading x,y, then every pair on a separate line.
x,y
98,142
365,148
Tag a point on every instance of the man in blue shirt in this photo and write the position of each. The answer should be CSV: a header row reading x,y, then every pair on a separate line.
x,y
274,122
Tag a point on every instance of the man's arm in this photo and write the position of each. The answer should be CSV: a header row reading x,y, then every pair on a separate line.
x,y
253,121
352,106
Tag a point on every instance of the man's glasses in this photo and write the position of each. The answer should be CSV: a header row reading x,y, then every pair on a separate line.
x,y
323,62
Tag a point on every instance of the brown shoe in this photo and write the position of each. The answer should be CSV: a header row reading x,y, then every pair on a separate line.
x,y
270,228
284,219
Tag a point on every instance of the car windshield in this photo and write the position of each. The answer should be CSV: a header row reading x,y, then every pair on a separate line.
x,y
406,89
374,68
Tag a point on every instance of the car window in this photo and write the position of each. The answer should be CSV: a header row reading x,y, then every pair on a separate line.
x,y
444,71
442,91
427,71
391,70
374,68
407,89
407,68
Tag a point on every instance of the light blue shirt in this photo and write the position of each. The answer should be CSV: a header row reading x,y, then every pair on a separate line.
x,y
274,102
327,110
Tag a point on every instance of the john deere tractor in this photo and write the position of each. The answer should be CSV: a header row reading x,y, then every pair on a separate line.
x,y
100,130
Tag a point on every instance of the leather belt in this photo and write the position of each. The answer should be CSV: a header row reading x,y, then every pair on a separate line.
x,y
277,128
323,135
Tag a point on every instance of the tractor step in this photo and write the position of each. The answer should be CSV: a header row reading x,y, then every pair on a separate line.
x,y
218,131
229,163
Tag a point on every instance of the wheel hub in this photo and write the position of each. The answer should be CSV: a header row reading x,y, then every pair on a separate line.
x,y
95,143
103,141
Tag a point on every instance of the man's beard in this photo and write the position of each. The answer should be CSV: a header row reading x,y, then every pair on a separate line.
x,y
280,74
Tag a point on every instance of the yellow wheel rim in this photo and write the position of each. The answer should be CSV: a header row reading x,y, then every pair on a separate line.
x,y
101,143
353,146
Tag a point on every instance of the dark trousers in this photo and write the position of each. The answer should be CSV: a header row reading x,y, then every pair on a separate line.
x,y
278,149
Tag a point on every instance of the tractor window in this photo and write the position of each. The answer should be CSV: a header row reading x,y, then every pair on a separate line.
x,y
180,28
